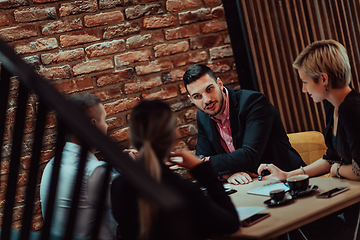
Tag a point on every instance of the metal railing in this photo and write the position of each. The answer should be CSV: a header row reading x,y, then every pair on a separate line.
x,y
69,119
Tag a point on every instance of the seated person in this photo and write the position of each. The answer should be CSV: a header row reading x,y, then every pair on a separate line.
x,y
324,69
92,180
152,133
237,130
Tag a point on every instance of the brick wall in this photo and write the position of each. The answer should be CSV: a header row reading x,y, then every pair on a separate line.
x,y
121,50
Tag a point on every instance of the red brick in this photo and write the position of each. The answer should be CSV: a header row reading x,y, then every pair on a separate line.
x,y
220,52
227,39
120,135
105,4
63,56
153,66
18,32
121,105
56,72
228,78
218,12
142,84
112,78
46,155
37,222
61,26
121,30
105,48
107,93
4,20
44,1
169,49
13,3
33,61
103,18
206,41
221,66
182,88
186,130
173,76
191,142
37,45
50,122
115,122
195,16
178,5
93,66
213,26
79,38
77,7
181,32
75,85
165,93
190,114
143,10
34,14
145,40
130,57
165,20
209,3
189,58
183,172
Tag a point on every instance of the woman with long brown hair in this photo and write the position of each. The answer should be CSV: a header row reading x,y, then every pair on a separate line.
x,y
152,133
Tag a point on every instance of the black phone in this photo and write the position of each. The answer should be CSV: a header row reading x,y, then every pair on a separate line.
x,y
332,192
254,219
230,191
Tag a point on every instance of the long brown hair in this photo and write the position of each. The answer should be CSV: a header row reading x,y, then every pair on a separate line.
x,y
152,132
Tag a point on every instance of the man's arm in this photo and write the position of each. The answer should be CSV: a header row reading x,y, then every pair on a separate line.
x,y
258,117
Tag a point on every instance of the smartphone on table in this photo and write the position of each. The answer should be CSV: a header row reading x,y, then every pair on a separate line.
x,y
254,219
332,192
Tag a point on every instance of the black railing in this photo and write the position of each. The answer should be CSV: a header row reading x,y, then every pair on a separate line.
x,y
69,119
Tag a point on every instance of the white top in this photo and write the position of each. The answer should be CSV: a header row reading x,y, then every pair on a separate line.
x,y
89,194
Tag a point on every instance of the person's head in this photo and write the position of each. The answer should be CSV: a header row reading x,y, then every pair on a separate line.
x,y
152,133
204,89
322,66
93,108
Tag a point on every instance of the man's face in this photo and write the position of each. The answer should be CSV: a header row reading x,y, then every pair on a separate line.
x,y
100,120
207,94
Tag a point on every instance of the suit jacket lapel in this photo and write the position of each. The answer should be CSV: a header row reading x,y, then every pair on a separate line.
x,y
234,112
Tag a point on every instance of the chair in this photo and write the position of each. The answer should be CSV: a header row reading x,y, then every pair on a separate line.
x,y
310,145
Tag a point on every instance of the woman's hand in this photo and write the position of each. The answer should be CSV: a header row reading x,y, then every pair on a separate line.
x,y
239,178
185,159
275,172
132,152
333,169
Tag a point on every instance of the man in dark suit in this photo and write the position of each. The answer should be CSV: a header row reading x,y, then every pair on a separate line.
x,y
237,130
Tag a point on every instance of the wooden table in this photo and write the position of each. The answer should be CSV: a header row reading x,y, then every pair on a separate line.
x,y
296,214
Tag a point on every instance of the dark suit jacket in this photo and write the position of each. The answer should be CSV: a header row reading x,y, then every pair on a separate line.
x,y
258,136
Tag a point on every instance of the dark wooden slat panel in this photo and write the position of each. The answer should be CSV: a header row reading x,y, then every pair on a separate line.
x,y
278,30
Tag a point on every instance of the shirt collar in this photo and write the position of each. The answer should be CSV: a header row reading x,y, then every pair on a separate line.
x,y
225,114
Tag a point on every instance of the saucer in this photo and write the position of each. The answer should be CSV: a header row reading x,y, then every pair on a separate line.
x,y
271,203
308,191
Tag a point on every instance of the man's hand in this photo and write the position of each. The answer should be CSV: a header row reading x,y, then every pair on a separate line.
x,y
132,152
239,178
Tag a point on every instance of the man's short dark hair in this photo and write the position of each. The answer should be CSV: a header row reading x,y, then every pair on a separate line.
x,y
85,102
195,72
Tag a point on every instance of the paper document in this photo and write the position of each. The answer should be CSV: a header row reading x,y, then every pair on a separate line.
x,y
265,191
245,212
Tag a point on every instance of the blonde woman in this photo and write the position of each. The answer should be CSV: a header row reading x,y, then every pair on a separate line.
x,y
324,69
152,133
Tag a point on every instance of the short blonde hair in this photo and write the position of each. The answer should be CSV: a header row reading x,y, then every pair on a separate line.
x,y
325,56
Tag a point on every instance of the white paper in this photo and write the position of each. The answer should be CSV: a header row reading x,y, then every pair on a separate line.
x,y
245,212
265,191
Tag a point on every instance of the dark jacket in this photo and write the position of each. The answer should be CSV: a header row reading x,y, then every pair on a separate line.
x,y
200,217
258,136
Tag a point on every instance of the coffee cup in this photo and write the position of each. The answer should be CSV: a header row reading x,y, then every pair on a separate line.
x,y
277,195
298,183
